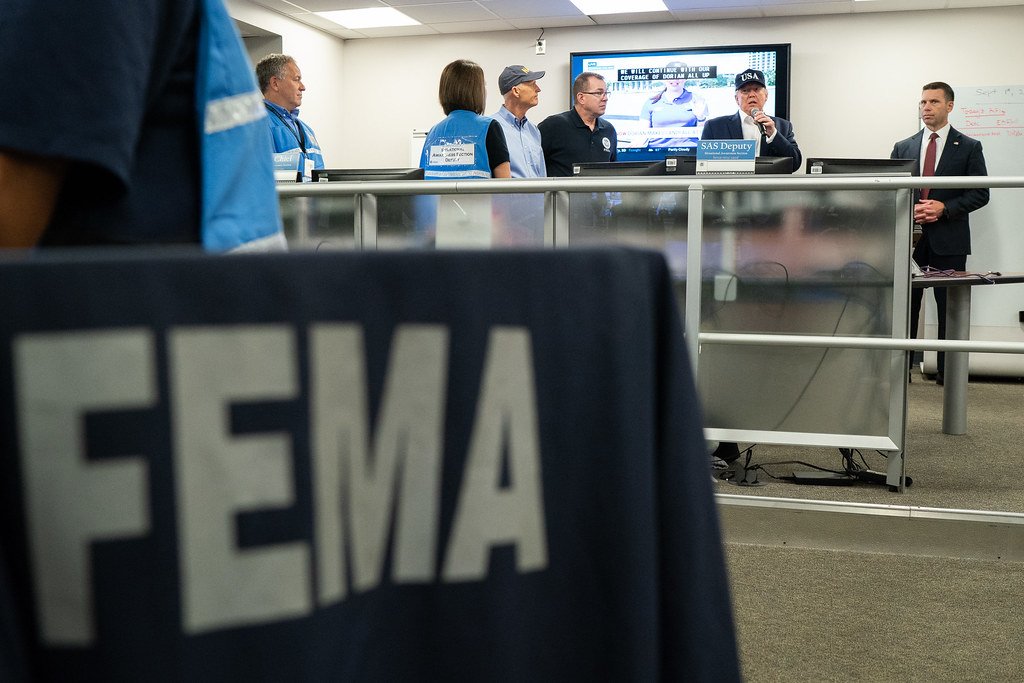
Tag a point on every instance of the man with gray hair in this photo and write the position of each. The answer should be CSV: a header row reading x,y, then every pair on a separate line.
x,y
518,85
296,150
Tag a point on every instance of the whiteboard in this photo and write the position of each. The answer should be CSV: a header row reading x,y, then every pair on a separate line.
x,y
994,114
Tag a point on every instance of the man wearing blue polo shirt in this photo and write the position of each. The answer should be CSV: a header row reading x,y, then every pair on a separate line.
x,y
518,85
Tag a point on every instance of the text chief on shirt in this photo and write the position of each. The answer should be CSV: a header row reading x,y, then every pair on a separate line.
x,y
942,213
295,145
777,138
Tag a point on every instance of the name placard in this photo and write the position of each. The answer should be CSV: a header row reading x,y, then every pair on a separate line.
x,y
726,157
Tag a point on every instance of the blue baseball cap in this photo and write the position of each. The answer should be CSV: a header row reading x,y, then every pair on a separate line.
x,y
750,76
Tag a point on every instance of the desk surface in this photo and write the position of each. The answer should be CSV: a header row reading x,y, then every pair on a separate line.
x,y
969,278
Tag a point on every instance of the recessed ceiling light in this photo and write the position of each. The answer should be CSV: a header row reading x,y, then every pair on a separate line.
x,y
618,6
373,17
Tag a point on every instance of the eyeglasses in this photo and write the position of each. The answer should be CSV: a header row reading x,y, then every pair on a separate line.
x,y
599,94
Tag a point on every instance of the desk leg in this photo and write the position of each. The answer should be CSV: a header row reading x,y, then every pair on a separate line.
x,y
954,395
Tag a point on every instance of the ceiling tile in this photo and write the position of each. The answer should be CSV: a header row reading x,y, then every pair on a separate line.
x,y
346,33
791,9
517,9
447,12
674,5
632,18
830,6
396,31
279,6
474,26
409,3
311,19
748,12
332,5
897,5
461,16
551,22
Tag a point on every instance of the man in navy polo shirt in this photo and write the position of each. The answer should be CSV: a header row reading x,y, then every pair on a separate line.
x,y
579,134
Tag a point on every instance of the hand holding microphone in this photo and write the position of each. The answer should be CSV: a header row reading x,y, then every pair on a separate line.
x,y
760,124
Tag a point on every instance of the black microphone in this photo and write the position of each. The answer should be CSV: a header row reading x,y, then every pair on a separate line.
x,y
754,112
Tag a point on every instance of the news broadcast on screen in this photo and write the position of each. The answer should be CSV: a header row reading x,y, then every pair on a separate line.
x,y
658,100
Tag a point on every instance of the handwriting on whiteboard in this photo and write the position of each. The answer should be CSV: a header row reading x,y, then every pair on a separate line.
x,y
994,112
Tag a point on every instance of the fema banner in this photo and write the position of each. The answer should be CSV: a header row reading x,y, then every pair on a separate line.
x,y
354,467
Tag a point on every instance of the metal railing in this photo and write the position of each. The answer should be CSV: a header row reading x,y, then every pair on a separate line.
x,y
556,220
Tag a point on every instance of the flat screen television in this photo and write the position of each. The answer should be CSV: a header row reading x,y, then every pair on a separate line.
x,y
820,165
649,128
337,175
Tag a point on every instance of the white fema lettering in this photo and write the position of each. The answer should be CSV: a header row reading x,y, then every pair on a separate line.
x,y
359,481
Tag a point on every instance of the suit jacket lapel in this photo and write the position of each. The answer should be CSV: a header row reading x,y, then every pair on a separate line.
x,y
735,127
950,153
916,151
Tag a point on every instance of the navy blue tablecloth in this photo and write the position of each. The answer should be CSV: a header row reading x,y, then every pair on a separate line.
x,y
433,466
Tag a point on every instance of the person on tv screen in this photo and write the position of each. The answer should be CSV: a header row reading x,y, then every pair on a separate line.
x,y
942,213
518,85
295,145
465,143
580,134
774,135
673,107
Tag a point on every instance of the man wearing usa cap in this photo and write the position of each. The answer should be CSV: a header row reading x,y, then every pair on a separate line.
x,y
518,85
775,137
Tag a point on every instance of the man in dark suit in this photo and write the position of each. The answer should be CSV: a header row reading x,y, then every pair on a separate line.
x,y
942,214
775,139
774,135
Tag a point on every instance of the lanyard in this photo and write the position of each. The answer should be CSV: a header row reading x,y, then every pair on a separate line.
x,y
300,137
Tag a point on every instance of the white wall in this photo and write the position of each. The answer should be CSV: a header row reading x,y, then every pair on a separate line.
x,y
320,56
857,77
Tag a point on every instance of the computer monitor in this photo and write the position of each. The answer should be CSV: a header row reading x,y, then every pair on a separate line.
x,y
618,168
681,165
773,165
687,165
338,175
872,167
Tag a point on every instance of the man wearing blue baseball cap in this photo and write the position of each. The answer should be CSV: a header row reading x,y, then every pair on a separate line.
x,y
774,135
518,85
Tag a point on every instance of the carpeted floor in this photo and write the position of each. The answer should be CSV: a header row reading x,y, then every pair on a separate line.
x,y
821,615
980,470
833,615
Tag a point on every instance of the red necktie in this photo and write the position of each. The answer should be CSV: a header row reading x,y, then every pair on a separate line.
x,y
929,161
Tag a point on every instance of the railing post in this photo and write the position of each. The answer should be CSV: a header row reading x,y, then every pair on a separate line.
x,y
694,237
